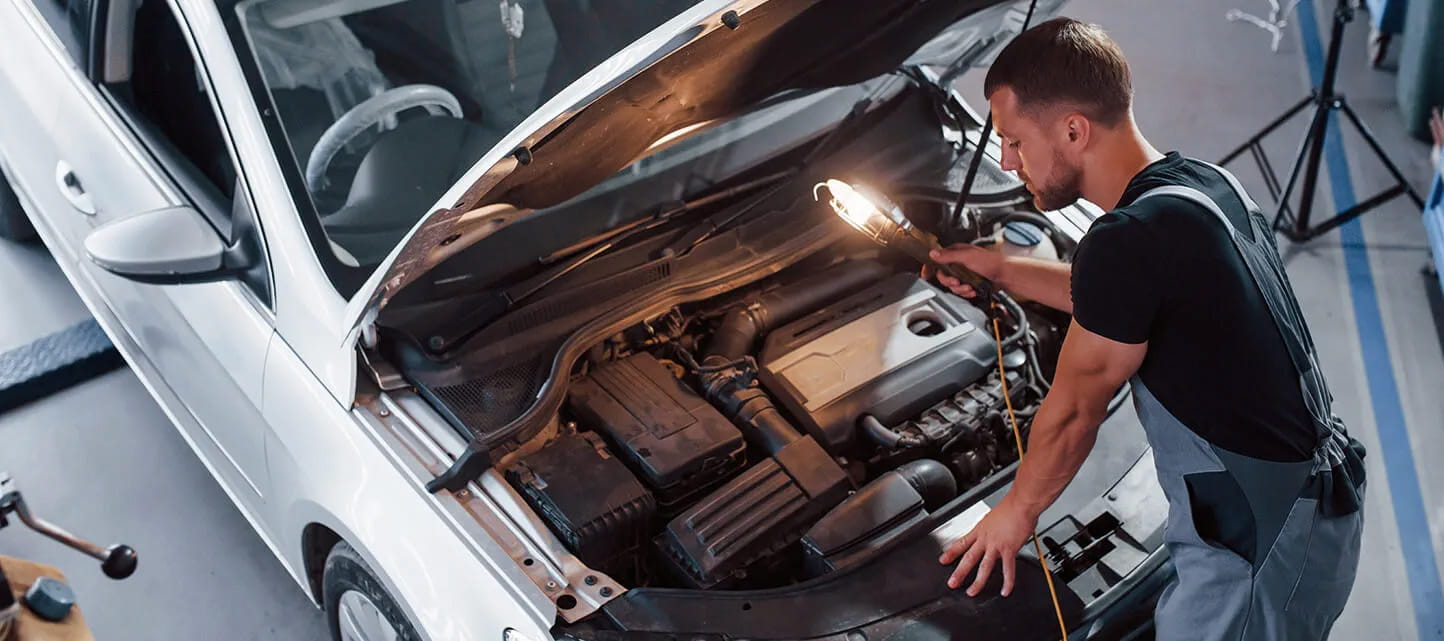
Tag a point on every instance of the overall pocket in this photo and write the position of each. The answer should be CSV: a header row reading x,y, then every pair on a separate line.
x,y
1220,513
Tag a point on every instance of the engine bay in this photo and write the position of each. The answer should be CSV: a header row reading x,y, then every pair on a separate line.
x,y
747,393
778,434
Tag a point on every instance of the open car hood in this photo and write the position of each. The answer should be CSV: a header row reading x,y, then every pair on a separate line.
x,y
709,63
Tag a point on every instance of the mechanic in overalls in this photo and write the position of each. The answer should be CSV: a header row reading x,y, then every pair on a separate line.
x,y
1179,290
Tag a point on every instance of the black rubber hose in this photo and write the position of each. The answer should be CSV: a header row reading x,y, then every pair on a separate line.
x,y
741,327
763,424
933,481
1019,317
884,435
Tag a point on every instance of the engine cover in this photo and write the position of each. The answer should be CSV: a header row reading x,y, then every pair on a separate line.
x,y
891,350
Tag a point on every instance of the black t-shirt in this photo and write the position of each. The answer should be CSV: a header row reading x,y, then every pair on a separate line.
x,y
1163,270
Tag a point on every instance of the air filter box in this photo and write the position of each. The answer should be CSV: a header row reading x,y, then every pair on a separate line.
x,y
587,496
757,513
672,438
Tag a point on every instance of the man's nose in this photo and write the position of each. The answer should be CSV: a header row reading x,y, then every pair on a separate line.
x,y
1010,159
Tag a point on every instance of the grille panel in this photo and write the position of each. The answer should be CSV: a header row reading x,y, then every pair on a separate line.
x,y
487,402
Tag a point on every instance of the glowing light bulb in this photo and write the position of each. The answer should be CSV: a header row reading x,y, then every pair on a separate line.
x,y
854,207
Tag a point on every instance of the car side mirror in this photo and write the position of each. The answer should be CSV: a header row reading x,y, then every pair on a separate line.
x,y
168,246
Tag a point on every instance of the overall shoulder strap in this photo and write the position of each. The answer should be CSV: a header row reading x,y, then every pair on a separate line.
x,y
1193,195
1235,184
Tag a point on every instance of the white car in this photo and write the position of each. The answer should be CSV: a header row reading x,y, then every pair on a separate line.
x,y
523,322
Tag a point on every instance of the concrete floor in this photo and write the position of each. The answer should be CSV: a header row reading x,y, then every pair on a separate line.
x,y
102,460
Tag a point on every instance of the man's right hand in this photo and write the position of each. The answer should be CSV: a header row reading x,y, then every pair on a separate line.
x,y
983,261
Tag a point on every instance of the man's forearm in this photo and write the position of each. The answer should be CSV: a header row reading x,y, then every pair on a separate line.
x,y
1061,438
1046,281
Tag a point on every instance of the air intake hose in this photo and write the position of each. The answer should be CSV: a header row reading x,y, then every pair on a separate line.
x,y
731,387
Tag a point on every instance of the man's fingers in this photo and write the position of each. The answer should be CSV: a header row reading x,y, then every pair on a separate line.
x,y
955,254
965,566
956,286
958,547
985,569
1010,565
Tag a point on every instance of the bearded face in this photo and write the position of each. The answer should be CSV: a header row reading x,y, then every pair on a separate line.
x,y
1058,188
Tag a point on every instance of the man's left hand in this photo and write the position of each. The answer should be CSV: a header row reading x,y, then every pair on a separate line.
x,y
996,538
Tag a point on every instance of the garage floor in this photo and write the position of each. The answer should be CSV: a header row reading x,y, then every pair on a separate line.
x,y
102,460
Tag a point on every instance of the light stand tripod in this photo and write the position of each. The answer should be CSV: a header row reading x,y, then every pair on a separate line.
x,y
1325,101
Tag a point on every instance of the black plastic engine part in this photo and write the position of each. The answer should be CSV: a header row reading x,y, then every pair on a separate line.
x,y
671,437
900,596
875,514
741,327
931,479
588,497
890,350
972,428
966,415
731,387
765,508
755,514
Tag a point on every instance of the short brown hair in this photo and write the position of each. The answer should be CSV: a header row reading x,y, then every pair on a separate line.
x,y
1065,61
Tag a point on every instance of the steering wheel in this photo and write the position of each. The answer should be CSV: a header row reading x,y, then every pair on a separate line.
x,y
379,109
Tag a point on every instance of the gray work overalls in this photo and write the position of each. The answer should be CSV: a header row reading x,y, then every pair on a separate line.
x,y
1263,550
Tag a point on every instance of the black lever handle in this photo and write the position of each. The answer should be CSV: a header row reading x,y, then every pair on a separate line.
x,y
117,561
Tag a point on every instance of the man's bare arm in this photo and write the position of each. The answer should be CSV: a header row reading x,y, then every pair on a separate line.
x,y
1045,281
1090,370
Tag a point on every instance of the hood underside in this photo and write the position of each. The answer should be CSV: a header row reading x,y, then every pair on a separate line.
x,y
710,63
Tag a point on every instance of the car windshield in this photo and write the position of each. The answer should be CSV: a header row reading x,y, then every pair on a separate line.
x,y
383,105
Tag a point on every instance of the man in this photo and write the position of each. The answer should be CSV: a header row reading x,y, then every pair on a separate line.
x,y
1180,290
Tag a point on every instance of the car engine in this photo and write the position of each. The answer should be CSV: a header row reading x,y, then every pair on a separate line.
x,y
777,434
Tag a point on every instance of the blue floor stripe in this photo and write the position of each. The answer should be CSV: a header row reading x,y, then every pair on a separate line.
x,y
1409,512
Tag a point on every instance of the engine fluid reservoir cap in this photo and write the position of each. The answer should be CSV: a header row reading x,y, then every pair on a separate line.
x,y
49,599
1022,234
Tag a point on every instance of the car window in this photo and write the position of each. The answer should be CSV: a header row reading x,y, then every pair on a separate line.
x,y
338,75
164,94
70,20
169,101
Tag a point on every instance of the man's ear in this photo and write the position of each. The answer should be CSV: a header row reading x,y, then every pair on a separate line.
x,y
1077,129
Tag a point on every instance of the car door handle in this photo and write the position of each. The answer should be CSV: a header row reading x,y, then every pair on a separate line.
x,y
70,187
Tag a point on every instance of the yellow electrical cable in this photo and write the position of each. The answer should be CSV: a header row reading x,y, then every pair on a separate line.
x,y
1018,438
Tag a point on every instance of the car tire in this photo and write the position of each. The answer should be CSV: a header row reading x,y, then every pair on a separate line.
x,y
358,607
14,226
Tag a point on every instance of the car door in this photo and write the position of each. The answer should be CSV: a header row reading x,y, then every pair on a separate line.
x,y
144,132
42,54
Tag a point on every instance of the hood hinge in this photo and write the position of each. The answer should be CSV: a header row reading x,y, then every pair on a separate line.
x,y
387,377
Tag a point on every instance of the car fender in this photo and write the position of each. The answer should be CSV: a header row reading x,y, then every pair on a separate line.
x,y
329,468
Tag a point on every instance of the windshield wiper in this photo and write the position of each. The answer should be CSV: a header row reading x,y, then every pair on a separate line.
x,y
499,303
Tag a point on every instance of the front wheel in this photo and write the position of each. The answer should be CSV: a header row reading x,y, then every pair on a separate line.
x,y
358,607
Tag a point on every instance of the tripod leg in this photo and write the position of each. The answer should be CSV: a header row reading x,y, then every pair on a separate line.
x,y
1379,151
1268,129
1311,171
1270,178
1312,140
